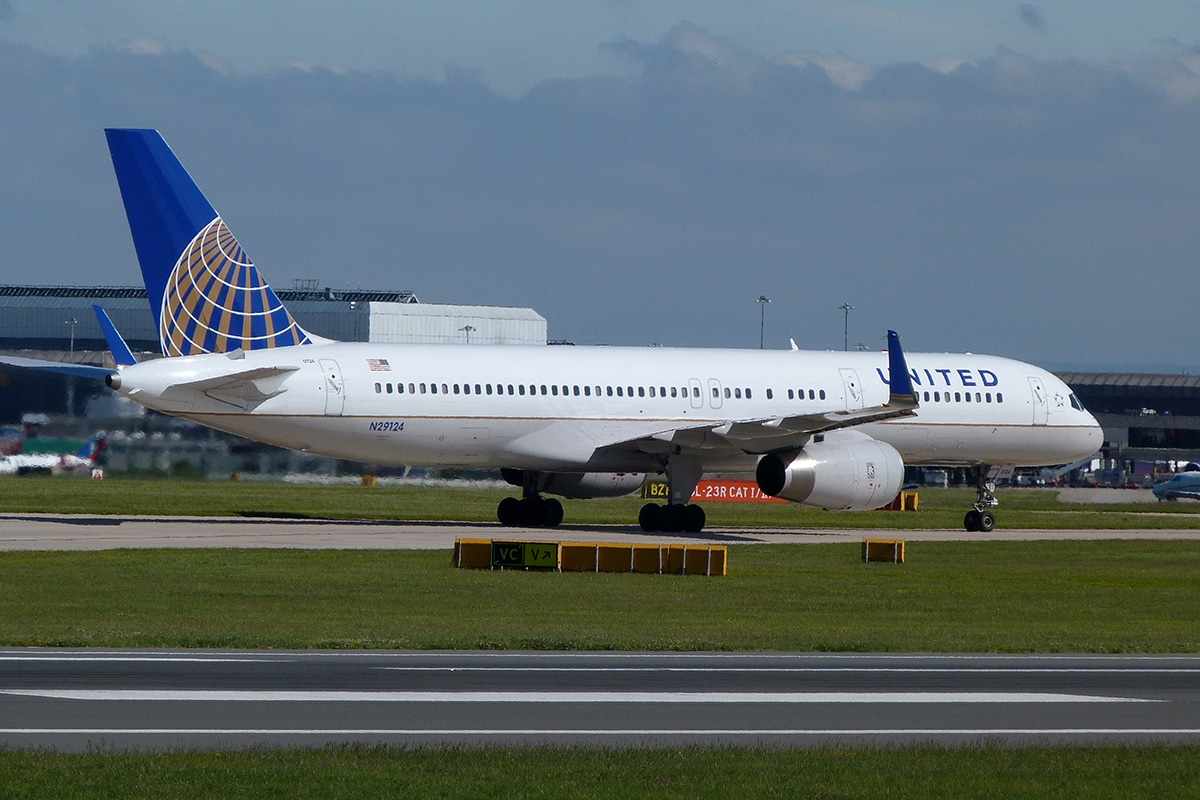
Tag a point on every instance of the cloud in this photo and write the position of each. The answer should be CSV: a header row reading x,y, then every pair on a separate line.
x,y
1006,204
1176,76
1031,16
143,45
844,71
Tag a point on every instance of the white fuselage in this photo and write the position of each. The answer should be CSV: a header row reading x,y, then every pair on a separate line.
x,y
573,408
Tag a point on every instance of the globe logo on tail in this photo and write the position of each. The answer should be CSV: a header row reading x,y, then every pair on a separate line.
x,y
216,301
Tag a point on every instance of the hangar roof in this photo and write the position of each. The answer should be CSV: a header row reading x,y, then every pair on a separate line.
x,y
1131,379
286,295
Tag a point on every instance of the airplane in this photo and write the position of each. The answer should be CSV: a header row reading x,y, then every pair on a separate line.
x,y
83,461
829,429
1185,485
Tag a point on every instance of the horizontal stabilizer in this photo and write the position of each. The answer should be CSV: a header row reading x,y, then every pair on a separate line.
x,y
78,370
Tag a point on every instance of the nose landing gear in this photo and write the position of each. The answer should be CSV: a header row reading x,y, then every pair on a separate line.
x,y
979,519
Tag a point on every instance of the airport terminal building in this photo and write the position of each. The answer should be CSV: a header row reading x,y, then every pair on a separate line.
x,y
1146,417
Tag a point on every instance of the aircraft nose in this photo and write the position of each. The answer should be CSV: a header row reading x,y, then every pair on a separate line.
x,y
1095,434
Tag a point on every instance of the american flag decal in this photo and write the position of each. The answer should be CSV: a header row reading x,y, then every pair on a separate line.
x,y
378,365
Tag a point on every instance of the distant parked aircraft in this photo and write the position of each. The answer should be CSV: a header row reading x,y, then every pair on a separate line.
x,y
84,461
1184,485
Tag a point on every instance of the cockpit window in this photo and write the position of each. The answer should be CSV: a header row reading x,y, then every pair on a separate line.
x,y
1076,403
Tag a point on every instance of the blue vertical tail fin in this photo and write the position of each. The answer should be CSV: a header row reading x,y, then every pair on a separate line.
x,y
94,448
205,293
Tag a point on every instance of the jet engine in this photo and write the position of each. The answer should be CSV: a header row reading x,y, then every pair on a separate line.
x,y
842,470
581,485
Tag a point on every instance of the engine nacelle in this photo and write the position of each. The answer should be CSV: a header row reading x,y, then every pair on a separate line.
x,y
842,470
581,485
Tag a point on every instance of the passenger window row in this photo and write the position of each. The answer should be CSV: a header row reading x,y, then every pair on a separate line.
x,y
563,390
557,390
964,397
522,390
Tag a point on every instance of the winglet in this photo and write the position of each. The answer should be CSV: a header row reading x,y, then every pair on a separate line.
x,y
899,378
121,353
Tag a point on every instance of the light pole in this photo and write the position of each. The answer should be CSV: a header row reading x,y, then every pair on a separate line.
x,y
762,317
467,330
847,308
71,378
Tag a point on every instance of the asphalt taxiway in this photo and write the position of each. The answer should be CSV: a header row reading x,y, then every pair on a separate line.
x,y
92,532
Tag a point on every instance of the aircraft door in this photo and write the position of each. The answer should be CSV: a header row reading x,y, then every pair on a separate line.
x,y
854,394
714,392
696,393
1041,401
335,388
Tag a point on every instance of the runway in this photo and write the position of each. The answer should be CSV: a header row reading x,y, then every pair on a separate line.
x,y
92,532
74,700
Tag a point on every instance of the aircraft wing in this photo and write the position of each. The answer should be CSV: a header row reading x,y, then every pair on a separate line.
x,y
762,435
773,434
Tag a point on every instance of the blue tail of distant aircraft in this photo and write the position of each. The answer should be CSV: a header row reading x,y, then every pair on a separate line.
x,y
205,293
94,448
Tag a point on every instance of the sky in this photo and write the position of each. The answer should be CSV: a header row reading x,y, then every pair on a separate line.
x,y
1013,178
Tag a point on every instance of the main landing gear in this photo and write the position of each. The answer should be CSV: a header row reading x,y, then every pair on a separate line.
x,y
979,519
532,510
671,518
683,474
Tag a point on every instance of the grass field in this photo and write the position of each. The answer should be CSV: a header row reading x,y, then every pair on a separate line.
x,y
695,774
943,508
1053,596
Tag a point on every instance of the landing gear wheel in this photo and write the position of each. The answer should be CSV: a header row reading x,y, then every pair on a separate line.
x,y
648,517
671,518
981,521
530,512
526,511
509,511
693,518
550,513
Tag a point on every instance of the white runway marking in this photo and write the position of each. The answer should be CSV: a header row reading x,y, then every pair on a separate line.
x,y
816,670
601,732
150,659
241,696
